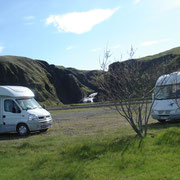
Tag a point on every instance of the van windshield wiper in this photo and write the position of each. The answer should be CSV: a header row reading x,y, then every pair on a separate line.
x,y
27,108
30,108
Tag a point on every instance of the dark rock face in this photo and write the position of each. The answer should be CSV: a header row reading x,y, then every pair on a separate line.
x,y
49,83
71,85
67,88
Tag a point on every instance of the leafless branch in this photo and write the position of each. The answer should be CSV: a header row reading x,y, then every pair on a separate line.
x,y
129,87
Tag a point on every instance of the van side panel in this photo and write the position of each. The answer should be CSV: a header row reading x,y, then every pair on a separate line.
x,y
2,127
10,119
0,111
0,116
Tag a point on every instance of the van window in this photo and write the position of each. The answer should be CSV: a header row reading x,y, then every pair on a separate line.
x,y
171,91
28,103
11,106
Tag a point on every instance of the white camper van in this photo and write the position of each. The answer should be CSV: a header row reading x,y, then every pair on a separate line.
x,y
166,98
20,112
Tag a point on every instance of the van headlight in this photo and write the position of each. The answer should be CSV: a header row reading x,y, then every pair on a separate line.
x,y
177,110
32,117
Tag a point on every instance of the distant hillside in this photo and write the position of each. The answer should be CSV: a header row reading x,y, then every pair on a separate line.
x,y
170,59
171,52
150,68
51,84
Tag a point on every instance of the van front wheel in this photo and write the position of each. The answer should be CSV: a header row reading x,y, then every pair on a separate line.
x,y
162,120
43,130
22,129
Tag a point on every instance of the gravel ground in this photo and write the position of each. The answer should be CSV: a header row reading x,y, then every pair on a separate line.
x,y
81,113
84,122
90,121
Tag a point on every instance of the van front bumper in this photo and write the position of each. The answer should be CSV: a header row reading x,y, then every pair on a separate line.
x,y
45,124
39,125
166,117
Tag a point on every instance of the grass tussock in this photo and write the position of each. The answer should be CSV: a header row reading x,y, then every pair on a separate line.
x,y
169,137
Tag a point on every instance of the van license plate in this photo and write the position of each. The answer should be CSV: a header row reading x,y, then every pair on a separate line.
x,y
163,117
44,126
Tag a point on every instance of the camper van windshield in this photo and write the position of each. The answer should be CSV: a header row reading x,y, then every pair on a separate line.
x,y
28,103
171,91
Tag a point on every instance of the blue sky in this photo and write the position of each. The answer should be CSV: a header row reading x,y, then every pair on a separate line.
x,y
74,33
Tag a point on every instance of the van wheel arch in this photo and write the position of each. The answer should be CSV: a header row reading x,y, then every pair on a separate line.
x,y
22,129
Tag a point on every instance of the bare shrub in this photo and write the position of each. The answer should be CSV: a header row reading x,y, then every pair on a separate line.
x,y
129,86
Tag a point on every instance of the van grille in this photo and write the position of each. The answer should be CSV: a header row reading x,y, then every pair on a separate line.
x,y
160,112
167,111
44,117
41,117
164,112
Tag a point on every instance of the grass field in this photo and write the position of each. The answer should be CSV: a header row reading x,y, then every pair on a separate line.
x,y
94,145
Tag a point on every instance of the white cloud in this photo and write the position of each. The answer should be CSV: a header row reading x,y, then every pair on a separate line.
x,y
96,49
69,48
137,1
80,22
172,4
154,42
29,18
1,49
101,49
166,5
29,23
115,47
149,43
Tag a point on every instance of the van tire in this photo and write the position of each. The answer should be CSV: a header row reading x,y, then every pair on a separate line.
x,y
22,129
43,130
161,120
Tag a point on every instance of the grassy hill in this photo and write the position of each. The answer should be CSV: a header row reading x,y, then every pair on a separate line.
x,y
168,58
171,52
51,84
26,72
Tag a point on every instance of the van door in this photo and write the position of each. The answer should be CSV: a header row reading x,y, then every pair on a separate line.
x,y
11,115
1,122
